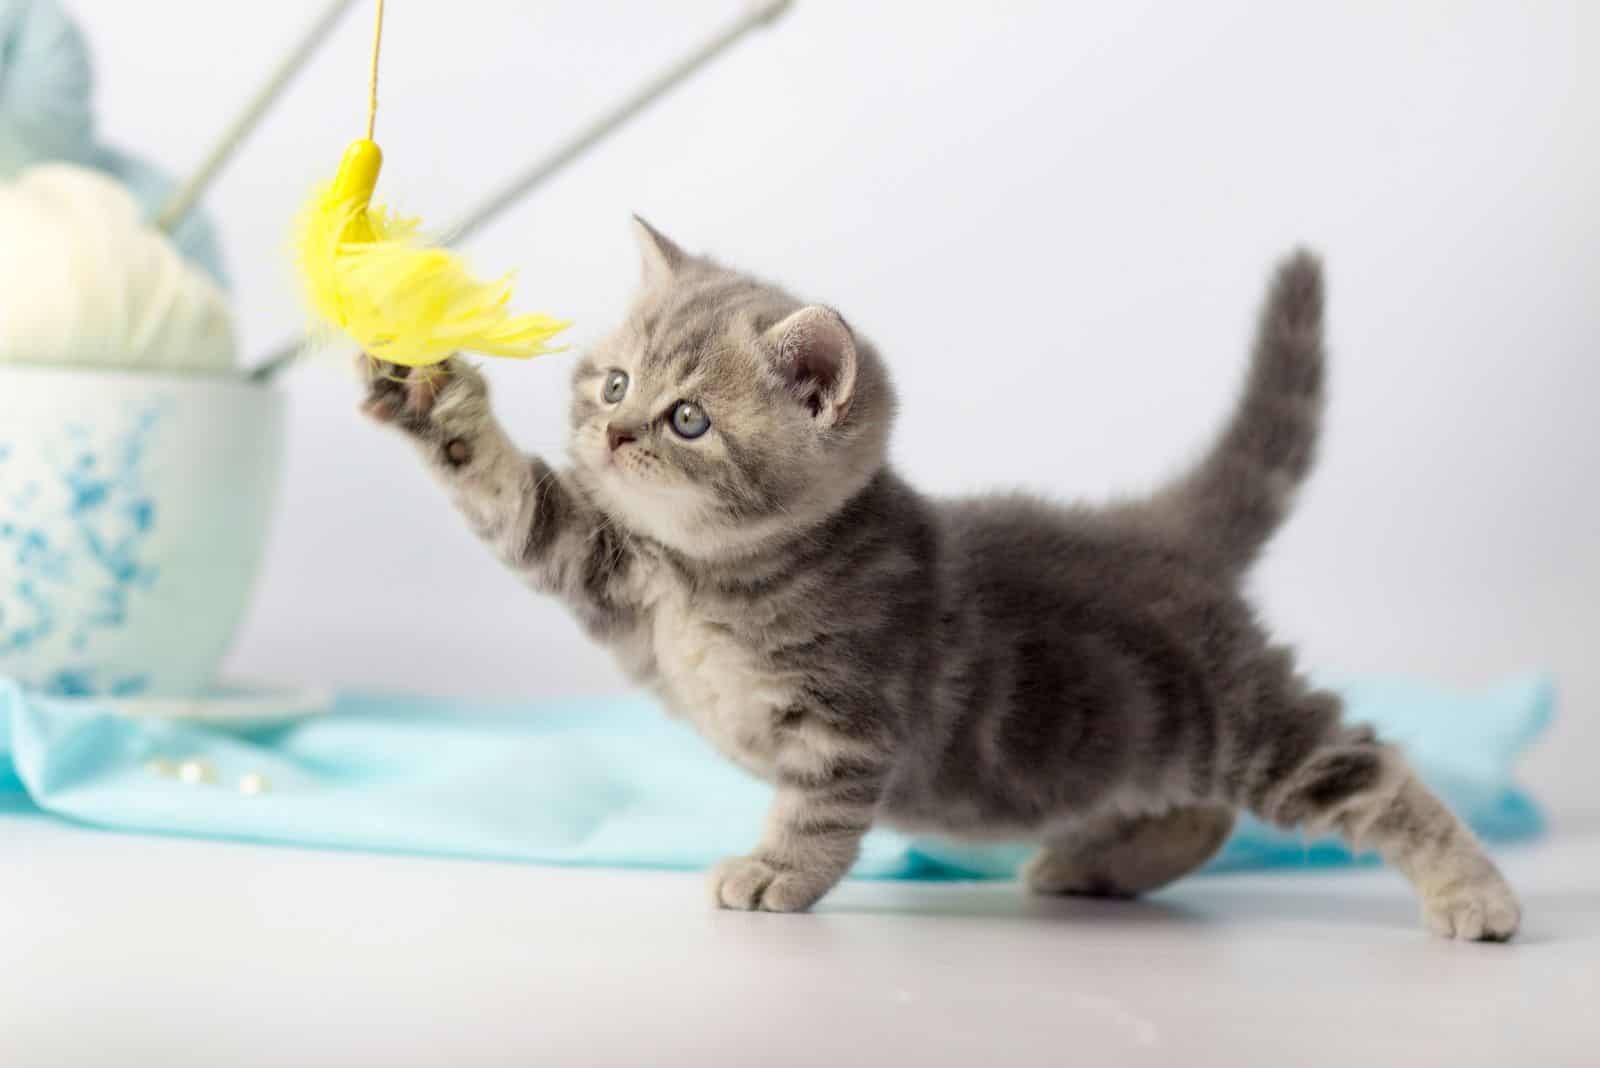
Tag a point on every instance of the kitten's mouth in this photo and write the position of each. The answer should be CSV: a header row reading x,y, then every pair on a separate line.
x,y
631,463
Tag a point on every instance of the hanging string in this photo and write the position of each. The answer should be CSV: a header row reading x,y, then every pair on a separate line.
x,y
372,76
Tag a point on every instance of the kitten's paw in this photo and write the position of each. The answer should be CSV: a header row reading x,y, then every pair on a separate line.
x,y
1480,910
394,391
410,396
1051,871
1125,856
753,884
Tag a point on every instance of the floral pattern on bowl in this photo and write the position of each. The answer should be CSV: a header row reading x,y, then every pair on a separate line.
x,y
132,514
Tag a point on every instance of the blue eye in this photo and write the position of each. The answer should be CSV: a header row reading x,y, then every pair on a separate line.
x,y
689,420
616,387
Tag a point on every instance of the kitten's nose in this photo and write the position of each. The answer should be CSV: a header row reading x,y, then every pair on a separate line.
x,y
617,436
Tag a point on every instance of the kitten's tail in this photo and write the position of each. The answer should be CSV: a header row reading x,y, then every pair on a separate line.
x,y
1230,503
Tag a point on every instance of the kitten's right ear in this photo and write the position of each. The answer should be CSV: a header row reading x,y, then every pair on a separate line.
x,y
661,258
814,353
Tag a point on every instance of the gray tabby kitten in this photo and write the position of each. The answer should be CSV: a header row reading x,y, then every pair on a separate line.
x,y
994,667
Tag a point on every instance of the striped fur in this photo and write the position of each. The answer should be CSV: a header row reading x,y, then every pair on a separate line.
x,y
994,667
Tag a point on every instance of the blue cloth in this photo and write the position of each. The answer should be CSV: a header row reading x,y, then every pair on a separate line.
x,y
604,782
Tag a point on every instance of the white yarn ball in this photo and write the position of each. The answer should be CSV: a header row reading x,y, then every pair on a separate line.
x,y
85,281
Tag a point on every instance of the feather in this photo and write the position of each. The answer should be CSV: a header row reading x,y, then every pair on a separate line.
x,y
372,276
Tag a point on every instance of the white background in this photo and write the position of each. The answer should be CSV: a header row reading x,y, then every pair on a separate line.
x,y
1055,220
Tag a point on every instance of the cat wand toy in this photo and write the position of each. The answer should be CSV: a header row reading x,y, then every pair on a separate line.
x,y
370,275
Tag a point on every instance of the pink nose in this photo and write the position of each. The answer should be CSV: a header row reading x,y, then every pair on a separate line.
x,y
617,436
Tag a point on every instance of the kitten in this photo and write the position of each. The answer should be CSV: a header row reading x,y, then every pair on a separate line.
x,y
996,667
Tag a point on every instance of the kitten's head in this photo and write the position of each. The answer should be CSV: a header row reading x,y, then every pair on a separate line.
x,y
723,412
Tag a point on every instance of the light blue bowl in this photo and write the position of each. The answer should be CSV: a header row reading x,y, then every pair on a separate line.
x,y
133,512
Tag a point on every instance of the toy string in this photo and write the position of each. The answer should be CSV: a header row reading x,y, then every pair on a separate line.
x,y
372,75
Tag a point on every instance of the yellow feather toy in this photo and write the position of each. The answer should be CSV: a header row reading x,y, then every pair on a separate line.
x,y
373,277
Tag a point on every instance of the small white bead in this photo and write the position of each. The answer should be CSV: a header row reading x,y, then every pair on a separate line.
x,y
254,783
195,772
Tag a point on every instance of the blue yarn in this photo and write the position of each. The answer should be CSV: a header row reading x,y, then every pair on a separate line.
x,y
46,85
46,93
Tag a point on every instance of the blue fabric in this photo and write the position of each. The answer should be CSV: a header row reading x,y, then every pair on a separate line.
x,y
605,782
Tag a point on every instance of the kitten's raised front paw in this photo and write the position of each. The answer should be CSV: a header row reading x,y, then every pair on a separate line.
x,y
753,884
409,396
1481,910
396,393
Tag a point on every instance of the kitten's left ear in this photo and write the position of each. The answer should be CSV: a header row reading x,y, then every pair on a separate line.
x,y
660,256
815,353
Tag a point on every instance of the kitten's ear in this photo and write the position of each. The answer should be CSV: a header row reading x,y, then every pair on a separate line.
x,y
660,256
815,353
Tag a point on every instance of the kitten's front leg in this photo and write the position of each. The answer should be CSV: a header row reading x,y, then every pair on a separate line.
x,y
445,411
813,836
537,523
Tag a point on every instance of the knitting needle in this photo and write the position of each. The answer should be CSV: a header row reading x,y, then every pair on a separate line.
x,y
178,206
601,127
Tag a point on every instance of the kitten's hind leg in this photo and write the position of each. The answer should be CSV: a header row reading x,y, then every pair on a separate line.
x,y
1309,771
1117,855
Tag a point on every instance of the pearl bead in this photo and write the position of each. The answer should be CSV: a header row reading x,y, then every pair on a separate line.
x,y
254,783
161,766
195,772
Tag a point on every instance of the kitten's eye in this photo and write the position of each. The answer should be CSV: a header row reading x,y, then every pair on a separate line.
x,y
689,419
616,387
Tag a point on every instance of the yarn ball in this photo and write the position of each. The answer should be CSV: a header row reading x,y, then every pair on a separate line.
x,y
194,236
46,85
88,282
46,91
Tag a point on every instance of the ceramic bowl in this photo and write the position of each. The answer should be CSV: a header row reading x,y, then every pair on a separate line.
x,y
134,507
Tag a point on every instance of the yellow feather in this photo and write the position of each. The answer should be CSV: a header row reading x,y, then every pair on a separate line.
x,y
371,275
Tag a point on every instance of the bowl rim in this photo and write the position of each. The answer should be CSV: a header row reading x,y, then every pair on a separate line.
x,y
236,379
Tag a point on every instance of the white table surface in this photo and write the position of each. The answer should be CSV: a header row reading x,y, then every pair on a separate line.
x,y
128,950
